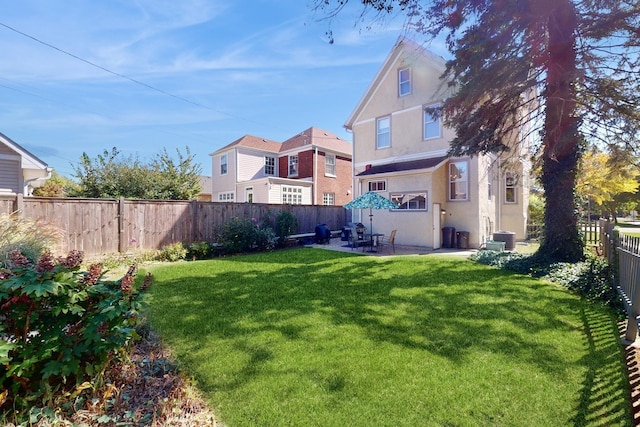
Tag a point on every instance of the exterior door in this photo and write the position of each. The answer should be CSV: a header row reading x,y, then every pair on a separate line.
x,y
249,195
436,226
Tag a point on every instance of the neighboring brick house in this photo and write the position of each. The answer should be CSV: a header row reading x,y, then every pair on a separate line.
x,y
400,150
20,171
311,168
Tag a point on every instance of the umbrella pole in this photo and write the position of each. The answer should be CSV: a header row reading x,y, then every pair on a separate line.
x,y
370,221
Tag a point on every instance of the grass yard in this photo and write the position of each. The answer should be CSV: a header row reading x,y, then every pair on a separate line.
x,y
309,337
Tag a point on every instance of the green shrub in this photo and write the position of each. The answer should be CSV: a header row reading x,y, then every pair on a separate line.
x,y
286,224
200,250
59,329
29,237
593,278
242,235
172,252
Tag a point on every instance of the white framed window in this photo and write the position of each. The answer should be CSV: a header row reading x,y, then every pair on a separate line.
x,y
432,126
459,180
510,187
269,165
490,177
383,132
328,199
291,195
330,164
226,197
404,81
293,165
410,201
224,159
378,185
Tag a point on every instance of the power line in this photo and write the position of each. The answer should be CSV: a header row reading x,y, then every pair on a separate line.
x,y
124,76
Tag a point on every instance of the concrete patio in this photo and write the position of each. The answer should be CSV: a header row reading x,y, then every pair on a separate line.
x,y
336,244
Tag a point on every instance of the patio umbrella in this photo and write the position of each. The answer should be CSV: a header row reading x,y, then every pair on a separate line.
x,y
371,200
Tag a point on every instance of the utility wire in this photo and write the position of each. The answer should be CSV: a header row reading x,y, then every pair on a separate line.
x,y
131,79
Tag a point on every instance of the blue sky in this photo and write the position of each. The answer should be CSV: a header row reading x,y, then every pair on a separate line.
x,y
206,73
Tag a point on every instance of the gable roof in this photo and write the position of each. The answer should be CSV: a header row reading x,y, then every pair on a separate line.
x,y
29,161
404,47
319,138
312,137
433,162
254,142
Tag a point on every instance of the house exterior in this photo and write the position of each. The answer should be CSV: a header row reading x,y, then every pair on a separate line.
x,y
20,171
205,188
400,150
311,168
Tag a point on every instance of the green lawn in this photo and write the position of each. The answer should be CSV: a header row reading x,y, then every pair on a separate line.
x,y
309,337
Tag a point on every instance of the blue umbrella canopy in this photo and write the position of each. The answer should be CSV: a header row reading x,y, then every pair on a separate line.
x,y
371,200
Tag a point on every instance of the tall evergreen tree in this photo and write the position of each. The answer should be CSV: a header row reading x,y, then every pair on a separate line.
x,y
579,59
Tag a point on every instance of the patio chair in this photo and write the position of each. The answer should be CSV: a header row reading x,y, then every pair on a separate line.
x,y
357,239
390,242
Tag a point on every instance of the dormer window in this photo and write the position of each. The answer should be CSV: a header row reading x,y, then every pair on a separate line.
x,y
404,81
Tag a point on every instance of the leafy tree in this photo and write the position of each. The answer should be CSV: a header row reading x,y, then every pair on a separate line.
x,y
56,186
572,63
110,175
603,178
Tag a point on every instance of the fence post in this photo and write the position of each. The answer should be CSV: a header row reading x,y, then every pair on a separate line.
x,y
19,207
121,244
194,227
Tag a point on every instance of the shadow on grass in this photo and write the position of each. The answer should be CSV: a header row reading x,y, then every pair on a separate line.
x,y
452,309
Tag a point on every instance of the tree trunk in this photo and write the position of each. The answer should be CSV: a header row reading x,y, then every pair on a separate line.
x,y
561,139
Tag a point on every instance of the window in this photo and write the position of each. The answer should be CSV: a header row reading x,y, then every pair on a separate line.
x,y
458,181
383,133
249,194
226,197
330,164
328,199
410,201
490,177
377,185
510,183
269,165
293,165
431,123
291,195
404,81
223,164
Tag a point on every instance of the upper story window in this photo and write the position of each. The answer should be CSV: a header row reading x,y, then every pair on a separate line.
x,y
293,165
269,165
223,164
432,127
383,132
404,81
377,185
510,187
330,164
459,180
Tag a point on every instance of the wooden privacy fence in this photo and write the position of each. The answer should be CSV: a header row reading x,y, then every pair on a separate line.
x,y
101,226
